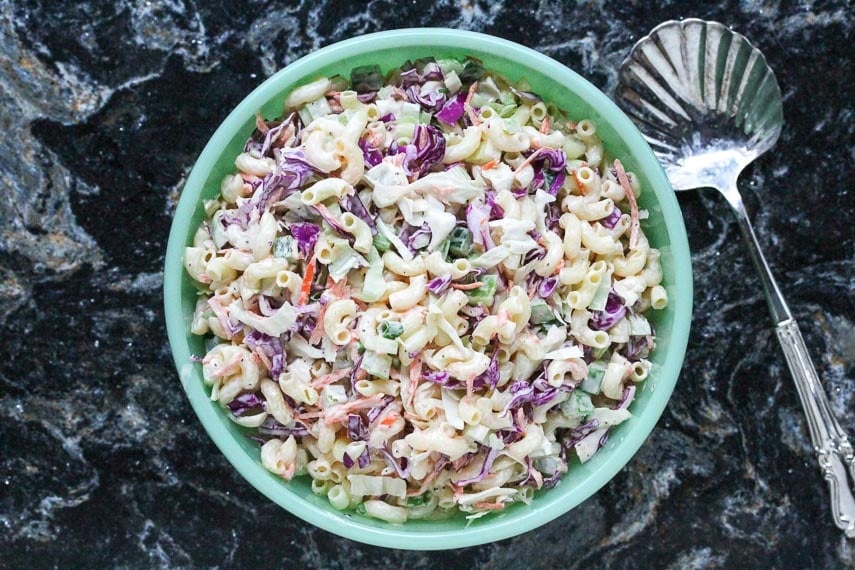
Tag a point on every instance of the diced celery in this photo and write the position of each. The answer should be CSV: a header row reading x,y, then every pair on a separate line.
x,y
376,364
540,312
333,394
485,293
638,326
373,286
598,302
410,113
594,380
318,108
578,404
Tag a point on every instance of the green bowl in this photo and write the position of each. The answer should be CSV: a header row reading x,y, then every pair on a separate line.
x,y
553,82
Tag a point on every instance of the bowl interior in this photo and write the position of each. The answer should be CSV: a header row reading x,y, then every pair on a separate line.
x,y
554,83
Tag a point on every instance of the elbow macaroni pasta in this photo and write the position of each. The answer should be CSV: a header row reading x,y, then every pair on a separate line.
x,y
420,313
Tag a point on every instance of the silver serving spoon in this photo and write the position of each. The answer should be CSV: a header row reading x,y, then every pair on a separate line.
x,y
708,104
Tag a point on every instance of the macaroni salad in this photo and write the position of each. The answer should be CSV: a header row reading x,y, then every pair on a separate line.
x,y
426,290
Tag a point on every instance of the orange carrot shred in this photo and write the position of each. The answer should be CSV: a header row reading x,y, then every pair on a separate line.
x,y
307,282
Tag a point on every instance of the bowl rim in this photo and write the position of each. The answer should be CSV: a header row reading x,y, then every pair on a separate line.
x,y
394,536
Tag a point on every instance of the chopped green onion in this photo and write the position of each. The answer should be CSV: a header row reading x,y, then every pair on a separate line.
x,y
391,329
460,242
485,293
417,501
382,243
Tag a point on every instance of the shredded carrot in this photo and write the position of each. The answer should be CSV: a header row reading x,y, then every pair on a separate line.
x,y
330,378
221,314
579,184
339,413
544,126
476,120
489,165
466,286
259,355
633,205
318,332
389,419
306,287
490,506
415,376
529,160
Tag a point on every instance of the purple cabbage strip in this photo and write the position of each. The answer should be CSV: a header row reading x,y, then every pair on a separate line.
x,y
477,219
612,219
375,412
364,458
635,348
431,101
403,470
553,479
430,148
246,404
372,156
614,312
496,211
626,397
388,117
306,234
557,182
270,346
547,286
347,461
353,371
418,239
333,223
357,430
452,110
438,285
581,432
489,458
292,173
489,377
273,428
353,204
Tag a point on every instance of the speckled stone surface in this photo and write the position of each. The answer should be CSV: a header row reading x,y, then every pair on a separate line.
x,y
104,107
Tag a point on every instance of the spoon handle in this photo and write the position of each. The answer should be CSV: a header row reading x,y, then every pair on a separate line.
x,y
836,458
835,454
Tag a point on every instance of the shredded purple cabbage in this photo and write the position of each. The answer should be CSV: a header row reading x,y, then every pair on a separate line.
x,y
270,346
614,312
357,430
626,397
372,156
430,100
438,285
402,470
429,143
452,110
496,211
273,428
547,286
246,405
333,223
578,434
306,234
375,412
612,219
477,219
489,458
353,204
489,377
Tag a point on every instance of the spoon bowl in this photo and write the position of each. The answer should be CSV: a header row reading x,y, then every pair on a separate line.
x,y
708,104
705,99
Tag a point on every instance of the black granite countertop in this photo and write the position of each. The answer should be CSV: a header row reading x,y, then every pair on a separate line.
x,y
105,106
